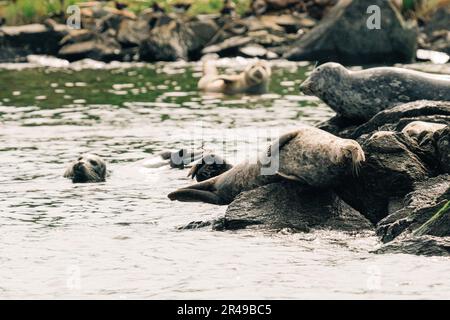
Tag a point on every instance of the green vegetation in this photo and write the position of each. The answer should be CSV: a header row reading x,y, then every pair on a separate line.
x,y
30,11
425,227
423,8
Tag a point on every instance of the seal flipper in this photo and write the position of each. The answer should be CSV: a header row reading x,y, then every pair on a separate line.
x,y
290,177
193,195
280,142
200,192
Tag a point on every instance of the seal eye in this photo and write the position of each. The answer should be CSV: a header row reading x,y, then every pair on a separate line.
x,y
80,158
93,162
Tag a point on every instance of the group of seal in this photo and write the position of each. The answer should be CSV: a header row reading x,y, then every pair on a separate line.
x,y
359,95
310,156
253,80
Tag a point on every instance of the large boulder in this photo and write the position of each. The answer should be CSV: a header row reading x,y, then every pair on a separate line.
x,y
343,36
425,211
286,205
177,40
398,117
90,45
18,42
393,164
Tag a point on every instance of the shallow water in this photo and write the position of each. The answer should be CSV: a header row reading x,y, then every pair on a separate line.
x,y
119,239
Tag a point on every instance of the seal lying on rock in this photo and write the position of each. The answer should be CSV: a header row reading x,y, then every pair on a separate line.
x,y
88,168
416,129
359,95
311,156
254,80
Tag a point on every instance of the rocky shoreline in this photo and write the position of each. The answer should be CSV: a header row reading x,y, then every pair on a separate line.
x,y
402,192
326,30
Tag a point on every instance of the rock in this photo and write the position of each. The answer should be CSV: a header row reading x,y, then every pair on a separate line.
x,y
393,165
177,40
425,212
100,47
424,245
343,36
18,42
398,117
441,140
227,47
286,205
254,51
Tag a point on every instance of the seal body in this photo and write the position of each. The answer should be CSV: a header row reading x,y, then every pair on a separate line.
x,y
416,129
254,80
87,169
208,167
309,155
361,94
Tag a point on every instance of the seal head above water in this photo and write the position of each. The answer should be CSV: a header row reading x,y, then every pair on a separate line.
x,y
87,169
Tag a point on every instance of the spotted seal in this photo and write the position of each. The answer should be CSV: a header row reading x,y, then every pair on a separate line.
x,y
360,95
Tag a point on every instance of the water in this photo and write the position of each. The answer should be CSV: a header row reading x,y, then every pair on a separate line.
x,y
119,239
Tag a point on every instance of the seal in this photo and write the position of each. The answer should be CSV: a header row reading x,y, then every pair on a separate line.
x,y
87,169
208,167
254,80
359,95
310,156
175,159
418,129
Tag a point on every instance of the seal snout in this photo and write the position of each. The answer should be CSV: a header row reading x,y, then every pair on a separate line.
x,y
306,87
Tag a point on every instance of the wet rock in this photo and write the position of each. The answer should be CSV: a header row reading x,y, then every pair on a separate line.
x,y
18,42
286,205
424,245
396,118
425,211
394,163
343,36
177,40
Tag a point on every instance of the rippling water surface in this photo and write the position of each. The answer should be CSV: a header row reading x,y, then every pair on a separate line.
x,y
119,239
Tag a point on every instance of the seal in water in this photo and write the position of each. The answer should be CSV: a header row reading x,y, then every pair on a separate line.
x,y
311,156
175,159
359,95
88,168
254,80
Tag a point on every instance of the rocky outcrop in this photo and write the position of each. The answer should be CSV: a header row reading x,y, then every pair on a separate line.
x,y
343,36
18,42
425,212
393,164
177,40
286,205
424,246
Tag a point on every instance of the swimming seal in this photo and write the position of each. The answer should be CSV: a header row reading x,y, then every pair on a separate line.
x,y
254,80
310,156
87,169
360,95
